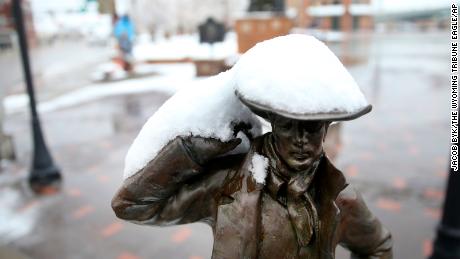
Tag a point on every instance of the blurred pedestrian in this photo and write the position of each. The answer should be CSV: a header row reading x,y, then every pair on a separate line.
x,y
124,32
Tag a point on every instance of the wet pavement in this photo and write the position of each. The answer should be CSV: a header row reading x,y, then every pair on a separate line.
x,y
396,156
59,67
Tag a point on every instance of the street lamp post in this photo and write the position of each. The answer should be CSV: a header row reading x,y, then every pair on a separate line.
x,y
447,244
44,176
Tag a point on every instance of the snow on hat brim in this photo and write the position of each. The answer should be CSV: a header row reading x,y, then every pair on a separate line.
x,y
299,77
264,111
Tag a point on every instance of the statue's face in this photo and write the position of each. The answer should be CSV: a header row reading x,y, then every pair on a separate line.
x,y
298,143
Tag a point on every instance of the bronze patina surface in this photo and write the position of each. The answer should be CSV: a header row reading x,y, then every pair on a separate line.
x,y
304,209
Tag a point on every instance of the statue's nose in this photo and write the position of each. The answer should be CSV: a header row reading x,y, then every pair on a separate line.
x,y
300,136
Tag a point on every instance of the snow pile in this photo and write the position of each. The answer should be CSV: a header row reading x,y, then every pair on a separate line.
x,y
184,47
258,168
297,74
15,222
208,108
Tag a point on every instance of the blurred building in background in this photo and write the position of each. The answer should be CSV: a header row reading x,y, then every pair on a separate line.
x,y
337,15
432,18
6,24
7,33
265,19
178,16
93,20
70,19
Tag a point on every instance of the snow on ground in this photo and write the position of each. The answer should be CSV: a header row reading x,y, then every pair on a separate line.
x,y
14,222
297,74
207,109
258,168
183,47
112,71
173,78
325,36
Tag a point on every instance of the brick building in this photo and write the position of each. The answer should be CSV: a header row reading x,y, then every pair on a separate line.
x,y
338,15
7,23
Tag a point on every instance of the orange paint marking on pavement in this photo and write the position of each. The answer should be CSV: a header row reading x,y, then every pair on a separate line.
x,y
105,144
442,174
433,213
82,212
427,248
338,147
181,235
413,150
399,183
352,171
440,161
74,192
103,178
382,146
433,193
28,206
127,255
196,257
49,190
366,156
112,229
389,205
408,136
93,169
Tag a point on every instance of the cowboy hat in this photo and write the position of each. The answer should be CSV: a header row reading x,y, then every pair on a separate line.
x,y
298,77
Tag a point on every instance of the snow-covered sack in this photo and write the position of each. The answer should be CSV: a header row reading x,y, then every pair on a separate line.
x,y
297,74
258,168
294,73
208,108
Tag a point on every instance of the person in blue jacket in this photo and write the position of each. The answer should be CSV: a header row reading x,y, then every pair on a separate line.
x,y
124,33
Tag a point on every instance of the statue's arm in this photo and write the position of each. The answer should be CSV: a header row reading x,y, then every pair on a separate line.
x,y
360,231
176,187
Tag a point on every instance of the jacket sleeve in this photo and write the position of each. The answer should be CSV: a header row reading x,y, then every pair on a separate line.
x,y
360,231
170,189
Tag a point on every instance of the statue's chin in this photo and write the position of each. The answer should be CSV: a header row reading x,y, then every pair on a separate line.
x,y
299,165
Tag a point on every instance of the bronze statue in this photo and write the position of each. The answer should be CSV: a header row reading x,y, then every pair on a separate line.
x,y
303,208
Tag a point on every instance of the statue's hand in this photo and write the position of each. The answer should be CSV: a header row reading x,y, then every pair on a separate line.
x,y
242,127
204,149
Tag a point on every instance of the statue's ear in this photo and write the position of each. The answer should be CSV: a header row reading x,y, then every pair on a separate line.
x,y
326,127
270,117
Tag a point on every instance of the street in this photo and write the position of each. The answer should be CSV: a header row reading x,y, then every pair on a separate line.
x,y
57,67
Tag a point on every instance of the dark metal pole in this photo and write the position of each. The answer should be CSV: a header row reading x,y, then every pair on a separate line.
x,y
44,176
447,243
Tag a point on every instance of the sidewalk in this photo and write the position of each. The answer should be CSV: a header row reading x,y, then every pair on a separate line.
x,y
78,222
57,68
9,253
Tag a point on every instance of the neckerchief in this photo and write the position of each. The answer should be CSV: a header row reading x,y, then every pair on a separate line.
x,y
291,189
